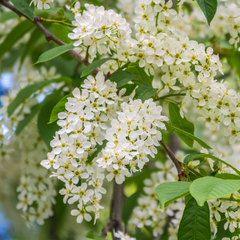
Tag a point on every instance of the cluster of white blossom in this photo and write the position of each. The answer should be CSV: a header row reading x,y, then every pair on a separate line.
x,y
42,4
36,191
123,236
148,213
95,116
98,30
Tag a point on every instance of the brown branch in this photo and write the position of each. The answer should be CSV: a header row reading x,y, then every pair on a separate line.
x,y
174,160
37,21
115,211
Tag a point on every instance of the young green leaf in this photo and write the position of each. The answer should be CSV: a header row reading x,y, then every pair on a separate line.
x,y
144,92
91,235
178,130
54,52
28,117
24,7
170,191
15,35
191,156
122,78
182,123
47,131
195,223
61,32
206,188
99,149
60,107
227,176
209,8
94,65
29,90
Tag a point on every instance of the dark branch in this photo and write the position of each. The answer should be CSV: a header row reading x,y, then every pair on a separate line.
x,y
174,160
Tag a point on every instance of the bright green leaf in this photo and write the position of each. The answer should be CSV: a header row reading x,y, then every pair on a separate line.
x,y
47,131
178,130
191,156
60,107
206,188
144,92
99,149
227,176
5,16
54,52
94,65
29,90
195,223
61,32
122,78
170,191
90,235
15,35
209,8
24,7
182,123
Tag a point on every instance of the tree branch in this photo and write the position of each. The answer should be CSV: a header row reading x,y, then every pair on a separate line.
x,y
115,211
174,160
37,21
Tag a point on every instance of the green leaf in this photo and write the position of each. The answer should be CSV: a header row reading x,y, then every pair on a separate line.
x,y
206,188
195,223
36,34
54,52
134,69
122,78
60,107
99,149
94,65
170,191
90,235
28,117
178,130
5,16
15,35
61,32
227,176
182,123
209,8
24,7
29,90
145,92
47,131
191,156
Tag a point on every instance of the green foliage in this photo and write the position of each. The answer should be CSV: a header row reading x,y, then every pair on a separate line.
x,y
24,7
15,35
191,156
206,188
28,117
122,78
209,8
94,65
182,123
178,130
54,52
227,176
47,131
99,149
29,90
144,92
61,32
60,107
170,191
4,16
195,223
90,235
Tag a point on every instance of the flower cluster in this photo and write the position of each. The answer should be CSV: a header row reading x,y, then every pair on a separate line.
x,y
41,4
98,30
95,117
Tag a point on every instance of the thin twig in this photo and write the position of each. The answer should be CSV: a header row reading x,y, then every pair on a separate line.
x,y
174,160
